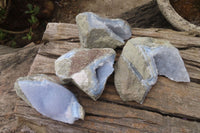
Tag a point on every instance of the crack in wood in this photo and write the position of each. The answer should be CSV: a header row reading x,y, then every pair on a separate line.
x,y
50,74
192,63
71,40
195,80
26,106
112,117
163,113
117,125
49,55
189,47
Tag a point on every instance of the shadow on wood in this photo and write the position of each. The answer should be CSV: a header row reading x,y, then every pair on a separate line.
x,y
146,16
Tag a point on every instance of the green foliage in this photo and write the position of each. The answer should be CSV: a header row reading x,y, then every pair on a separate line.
x,y
33,11
2,14
33,20
28,35
2,35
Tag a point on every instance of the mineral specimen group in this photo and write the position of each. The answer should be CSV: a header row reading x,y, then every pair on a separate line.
x,y
87,68
48,98
136,71
141,61
97,32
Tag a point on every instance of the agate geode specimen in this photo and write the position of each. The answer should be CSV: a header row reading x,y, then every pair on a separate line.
x,y
48,98
88,69
140,63
97,32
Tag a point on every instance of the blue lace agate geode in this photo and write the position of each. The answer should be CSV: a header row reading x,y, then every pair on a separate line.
x,y
140,63
48,98
88,69
98,32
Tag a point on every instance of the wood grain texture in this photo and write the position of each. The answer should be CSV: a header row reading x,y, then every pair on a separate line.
x,y
169,106
179,39
59,31
12,65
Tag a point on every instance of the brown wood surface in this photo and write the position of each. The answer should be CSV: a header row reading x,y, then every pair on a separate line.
x,y
13,64
169,106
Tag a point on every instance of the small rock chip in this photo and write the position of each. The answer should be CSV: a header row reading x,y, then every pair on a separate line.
x,y
141,61
48,98
97,32
87,68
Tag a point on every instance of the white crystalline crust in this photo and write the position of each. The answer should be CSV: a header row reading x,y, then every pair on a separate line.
x,y
50,99
81,78
93,78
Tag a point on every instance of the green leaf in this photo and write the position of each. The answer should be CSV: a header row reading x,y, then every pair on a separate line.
x,y
24,37
36,10
30,7
30,21
27,12
29,37
34,19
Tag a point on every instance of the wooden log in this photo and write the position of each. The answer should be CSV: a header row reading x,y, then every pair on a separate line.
x,y
146,16
60,31
179,39
5,50
102,116
12,65
169,106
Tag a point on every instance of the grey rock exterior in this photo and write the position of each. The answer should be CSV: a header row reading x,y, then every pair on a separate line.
x,y
48,98
141,61
97,32
88,69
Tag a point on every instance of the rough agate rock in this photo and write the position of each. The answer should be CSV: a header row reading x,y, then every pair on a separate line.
x,y
48,98
97,32
140,63
87,68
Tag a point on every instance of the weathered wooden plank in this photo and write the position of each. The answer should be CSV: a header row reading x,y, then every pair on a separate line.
x,y
193,71
126,116
165,106
166,97
102,116
6,50
12,66
47,54
191,54
61,31
179,39
58,47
